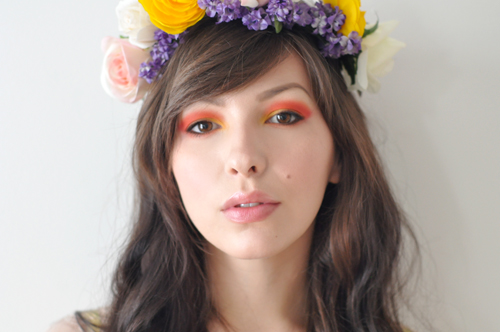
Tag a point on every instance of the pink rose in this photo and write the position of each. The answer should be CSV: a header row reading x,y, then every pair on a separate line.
x,y
254,3
120,70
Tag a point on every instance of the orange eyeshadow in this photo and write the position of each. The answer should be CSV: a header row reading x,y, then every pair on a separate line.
x,y
296,106
195,116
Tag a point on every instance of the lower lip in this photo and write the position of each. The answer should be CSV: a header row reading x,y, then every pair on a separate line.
x,y
250,214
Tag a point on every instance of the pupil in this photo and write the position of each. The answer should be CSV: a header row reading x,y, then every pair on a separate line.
x,y
283,117
205,126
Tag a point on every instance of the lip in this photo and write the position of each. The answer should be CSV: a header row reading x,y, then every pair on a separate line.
x,y
250,214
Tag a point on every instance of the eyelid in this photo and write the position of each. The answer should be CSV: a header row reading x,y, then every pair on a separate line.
x,y
298,116
297,107
196,122
190,119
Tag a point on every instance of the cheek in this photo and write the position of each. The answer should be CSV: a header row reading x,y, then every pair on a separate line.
x,y
306,170
308,161
195,176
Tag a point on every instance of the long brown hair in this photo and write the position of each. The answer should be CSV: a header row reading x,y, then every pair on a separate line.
x,y
160,283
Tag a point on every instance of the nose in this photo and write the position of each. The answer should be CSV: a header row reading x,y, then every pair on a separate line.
x,y
246,153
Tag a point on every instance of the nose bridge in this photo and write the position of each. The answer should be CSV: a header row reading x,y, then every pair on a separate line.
x,y
246,155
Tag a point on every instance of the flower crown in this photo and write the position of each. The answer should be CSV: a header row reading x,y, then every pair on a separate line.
x,y
153,29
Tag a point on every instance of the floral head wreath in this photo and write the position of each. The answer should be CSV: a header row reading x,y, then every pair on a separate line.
x,y
151,30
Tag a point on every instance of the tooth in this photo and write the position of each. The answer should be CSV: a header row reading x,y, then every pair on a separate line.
x,y
248,205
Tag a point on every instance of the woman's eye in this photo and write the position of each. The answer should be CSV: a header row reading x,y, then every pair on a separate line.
x,y
286,117
202,127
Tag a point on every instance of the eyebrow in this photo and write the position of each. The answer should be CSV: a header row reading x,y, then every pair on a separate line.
x,y
277,90
265,95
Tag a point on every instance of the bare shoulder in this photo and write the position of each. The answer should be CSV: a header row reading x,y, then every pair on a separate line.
x,y
80,321
67,324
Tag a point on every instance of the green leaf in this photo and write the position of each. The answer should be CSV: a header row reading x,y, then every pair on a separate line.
x,y
371,30
123,37
278,26
350,63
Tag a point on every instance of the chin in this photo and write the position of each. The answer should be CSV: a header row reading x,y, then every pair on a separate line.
x,y
249,248
263,243
253,248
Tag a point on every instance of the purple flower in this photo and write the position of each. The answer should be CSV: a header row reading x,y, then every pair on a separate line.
x,y
210,6
336,19
256,19
229,10
339,45
320,25
302,15
225,10
281,10
160,53
320,14
326,20
326,7
148,71
319,7
351,44
333,47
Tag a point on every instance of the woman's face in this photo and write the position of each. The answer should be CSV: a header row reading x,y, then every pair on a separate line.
x,y
266,146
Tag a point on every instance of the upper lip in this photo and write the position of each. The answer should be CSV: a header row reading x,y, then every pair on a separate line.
x,y
252,197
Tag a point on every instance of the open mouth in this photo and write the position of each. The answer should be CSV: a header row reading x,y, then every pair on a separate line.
x,y
248,205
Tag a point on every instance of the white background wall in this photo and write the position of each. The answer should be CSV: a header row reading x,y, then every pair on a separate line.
x,y
65,180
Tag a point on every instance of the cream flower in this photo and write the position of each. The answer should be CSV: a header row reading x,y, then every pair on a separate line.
x,y
134,22
375,60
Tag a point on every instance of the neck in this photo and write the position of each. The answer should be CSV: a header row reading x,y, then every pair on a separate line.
x,y
265,294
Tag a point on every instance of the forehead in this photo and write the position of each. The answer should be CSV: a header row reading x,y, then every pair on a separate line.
x,y
290,70
289,75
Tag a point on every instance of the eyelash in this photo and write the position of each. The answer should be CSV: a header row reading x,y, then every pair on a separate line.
x,y
197,123
294,115
295,118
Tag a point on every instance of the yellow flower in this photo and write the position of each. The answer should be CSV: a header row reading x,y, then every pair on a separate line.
x,y
173,16
355,18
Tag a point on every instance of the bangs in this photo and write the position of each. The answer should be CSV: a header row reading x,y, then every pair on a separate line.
x,y
218,58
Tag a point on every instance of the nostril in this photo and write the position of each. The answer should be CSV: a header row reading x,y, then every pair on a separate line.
x,y
235,170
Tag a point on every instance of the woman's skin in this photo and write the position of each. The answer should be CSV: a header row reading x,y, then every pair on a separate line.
x,y
257,256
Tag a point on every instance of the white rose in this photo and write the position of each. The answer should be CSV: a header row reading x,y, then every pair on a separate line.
x,y
134,22
375,61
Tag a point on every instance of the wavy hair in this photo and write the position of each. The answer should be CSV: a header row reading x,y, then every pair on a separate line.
x,y
160,283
